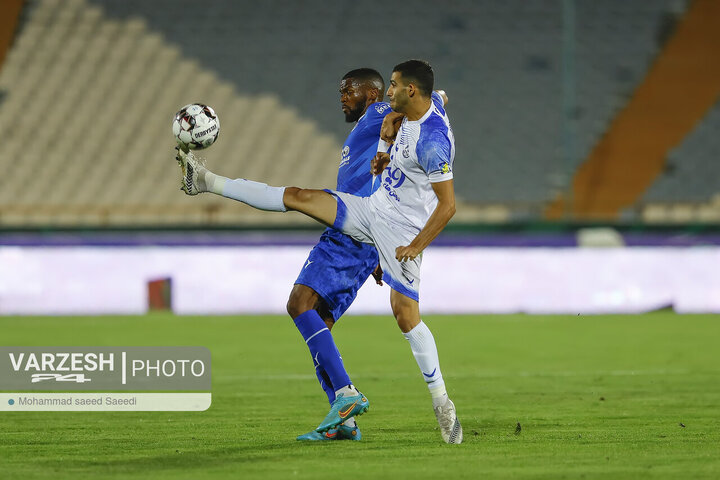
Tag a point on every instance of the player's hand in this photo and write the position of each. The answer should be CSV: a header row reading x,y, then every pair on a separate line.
x,y
377,275
390,126
403,254
444,96
378,164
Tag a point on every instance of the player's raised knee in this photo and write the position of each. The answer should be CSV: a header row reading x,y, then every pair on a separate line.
x,y
317,204
301,300
290,196
296,195
297,198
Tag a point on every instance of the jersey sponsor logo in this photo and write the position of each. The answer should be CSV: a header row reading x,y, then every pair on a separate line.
x,y
381,108
307,264
445,167
391,192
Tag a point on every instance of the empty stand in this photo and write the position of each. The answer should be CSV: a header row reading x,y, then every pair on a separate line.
x,y
91,86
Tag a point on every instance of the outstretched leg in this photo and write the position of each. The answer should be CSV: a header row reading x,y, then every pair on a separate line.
x,y
317,204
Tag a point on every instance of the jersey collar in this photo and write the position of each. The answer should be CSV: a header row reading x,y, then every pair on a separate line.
x,y
424,117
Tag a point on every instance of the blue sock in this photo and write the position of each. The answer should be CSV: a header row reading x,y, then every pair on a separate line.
x,y
325,382
322,348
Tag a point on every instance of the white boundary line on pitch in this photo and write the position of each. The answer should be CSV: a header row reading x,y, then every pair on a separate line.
x,y
610,373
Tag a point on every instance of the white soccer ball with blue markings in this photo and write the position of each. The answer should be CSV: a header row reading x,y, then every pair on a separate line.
x,y
196,126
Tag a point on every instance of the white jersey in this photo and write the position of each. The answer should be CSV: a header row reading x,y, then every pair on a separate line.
x,y
423,153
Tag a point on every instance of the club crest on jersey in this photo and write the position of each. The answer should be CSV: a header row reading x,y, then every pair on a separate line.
x,y
406,151
345,155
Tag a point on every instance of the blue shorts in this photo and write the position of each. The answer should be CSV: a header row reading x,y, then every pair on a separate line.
x,y
336,269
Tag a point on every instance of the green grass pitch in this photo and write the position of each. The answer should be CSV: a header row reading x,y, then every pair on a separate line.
x,y
596,397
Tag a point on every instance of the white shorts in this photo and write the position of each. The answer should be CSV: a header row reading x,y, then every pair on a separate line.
x,y
356,217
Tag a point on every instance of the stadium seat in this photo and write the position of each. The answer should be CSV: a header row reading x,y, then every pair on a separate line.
x,y
123,68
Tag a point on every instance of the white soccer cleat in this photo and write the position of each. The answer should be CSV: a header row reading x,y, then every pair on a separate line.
x,y
190,167
450,428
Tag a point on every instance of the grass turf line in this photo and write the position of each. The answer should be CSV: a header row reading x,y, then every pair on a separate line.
x,y
596,397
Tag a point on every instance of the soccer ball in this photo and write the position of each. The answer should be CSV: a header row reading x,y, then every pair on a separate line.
x,y
196,126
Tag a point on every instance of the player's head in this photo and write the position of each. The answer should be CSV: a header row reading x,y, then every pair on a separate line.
x,y
410,81
359,89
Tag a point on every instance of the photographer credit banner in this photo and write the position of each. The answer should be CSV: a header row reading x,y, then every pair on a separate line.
x,y
66,378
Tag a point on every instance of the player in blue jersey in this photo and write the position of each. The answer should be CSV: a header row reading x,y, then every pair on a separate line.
x,y
401,218
339,265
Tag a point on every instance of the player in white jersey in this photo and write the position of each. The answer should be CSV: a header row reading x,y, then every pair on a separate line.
x,y
414,203
421,157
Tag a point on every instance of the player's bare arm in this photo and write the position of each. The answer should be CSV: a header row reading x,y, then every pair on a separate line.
x,y
444,211
443,95
378,274
390,126
378,164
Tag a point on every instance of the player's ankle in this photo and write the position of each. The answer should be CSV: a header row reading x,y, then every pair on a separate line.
x,y
347,391
211,182
439,395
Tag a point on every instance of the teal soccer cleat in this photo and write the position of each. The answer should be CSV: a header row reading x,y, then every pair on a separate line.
x,y
342,432
314,436
343,408
349,433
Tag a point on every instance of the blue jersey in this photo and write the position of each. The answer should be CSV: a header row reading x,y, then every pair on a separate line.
x,y
338,265
354,175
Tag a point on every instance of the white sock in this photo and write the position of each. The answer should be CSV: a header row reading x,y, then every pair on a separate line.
x,y
255,194
350,422
422,344
213,183
439,395
348,391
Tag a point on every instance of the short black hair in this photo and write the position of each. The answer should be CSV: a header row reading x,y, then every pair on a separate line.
x,y
418,72
368,75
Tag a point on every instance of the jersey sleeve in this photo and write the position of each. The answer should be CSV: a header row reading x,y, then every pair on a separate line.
x,y
434,156
375,115
437,100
